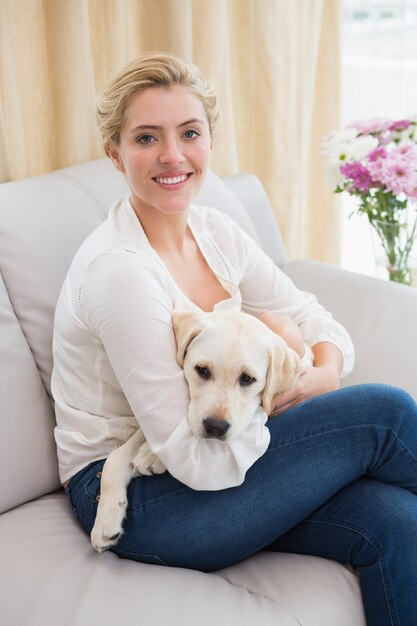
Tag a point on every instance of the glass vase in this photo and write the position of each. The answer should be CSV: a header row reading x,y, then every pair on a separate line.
x,y
397,240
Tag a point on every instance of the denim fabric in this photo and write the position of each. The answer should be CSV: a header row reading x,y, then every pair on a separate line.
x,y
338,480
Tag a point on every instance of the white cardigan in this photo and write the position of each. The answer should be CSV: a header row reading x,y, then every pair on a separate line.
x,y
115,353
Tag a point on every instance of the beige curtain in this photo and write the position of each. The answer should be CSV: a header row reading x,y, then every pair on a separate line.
x,y
275,64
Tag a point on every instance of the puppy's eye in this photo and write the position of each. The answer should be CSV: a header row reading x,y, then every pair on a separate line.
x,y
203,371
246,379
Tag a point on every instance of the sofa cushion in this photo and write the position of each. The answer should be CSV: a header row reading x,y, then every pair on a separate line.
x,y
248,188
379,316
54,577
28,464
43,220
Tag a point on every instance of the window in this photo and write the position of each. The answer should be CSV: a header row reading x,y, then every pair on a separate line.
x,y
379,79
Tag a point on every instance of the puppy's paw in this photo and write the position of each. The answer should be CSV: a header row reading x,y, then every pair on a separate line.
x,y
108,526
146,463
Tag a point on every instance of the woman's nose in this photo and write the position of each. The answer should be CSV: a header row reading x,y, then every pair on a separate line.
x,y
171,152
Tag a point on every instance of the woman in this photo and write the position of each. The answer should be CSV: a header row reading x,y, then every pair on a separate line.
x,y
334,475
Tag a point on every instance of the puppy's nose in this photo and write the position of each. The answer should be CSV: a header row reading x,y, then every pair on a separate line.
x,y
215,427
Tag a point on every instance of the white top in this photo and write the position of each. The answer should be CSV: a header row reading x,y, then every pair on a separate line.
x,y
115,352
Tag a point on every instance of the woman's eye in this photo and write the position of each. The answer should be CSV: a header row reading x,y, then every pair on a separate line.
x,y
246,379
203,371
191,134
145,139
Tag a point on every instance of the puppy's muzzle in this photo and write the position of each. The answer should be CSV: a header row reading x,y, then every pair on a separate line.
x,y
215,427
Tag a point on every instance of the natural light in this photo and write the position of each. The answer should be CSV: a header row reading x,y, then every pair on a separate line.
x,y
379,79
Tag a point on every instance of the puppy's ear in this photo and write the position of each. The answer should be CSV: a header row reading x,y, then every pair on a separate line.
x,y
186,327
283,371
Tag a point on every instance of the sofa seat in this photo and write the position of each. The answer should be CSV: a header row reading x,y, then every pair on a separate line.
x,y
63,582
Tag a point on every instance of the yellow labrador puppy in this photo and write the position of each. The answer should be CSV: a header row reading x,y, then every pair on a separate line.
x,y
233,363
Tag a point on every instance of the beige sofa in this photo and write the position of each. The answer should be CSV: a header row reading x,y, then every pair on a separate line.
x,y
49,574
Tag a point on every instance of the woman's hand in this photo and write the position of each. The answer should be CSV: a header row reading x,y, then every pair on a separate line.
x,y
324,376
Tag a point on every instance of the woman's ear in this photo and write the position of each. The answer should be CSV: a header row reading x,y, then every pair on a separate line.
x,y
283,371
186,326
113,153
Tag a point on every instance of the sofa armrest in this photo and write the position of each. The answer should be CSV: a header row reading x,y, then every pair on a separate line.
x,y
381,318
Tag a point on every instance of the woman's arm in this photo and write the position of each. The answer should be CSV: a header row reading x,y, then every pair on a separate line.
x,y
284,326
127,304
313,381
297,316
323,377
264,287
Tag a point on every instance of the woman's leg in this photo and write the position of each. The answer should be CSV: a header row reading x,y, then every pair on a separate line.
x,y
316,449
373,526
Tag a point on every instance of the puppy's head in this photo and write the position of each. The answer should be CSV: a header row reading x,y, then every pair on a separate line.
x,y
233,363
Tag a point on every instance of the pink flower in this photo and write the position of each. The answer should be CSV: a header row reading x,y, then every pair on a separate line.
x,y
378,153
396,178
375,169
407,150
376,125
396,174
399,125
413,192
361,178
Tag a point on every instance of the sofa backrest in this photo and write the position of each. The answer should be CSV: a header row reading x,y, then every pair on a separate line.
x,y
43,220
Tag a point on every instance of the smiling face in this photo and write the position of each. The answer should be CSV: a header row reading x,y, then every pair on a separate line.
x,y
164,149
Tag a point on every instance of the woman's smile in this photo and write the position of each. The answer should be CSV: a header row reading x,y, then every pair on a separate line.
x,y
172,181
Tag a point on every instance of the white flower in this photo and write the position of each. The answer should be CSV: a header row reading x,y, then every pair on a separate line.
x,y
336,142
341,136
337,153
346,146
334,177
360,147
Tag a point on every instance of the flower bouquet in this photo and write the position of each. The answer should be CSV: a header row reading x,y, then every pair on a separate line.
x,y
376,161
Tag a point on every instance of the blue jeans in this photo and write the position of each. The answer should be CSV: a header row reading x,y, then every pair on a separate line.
x,y
338,480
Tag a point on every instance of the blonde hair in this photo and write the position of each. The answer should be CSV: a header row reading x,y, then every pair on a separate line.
x,y
153,70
